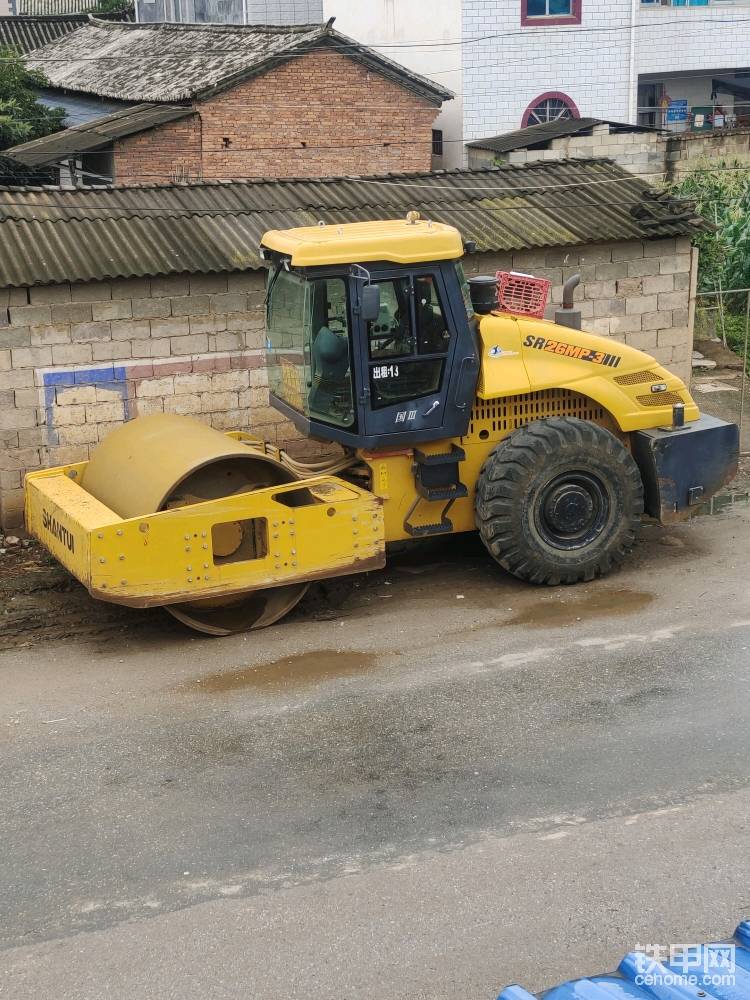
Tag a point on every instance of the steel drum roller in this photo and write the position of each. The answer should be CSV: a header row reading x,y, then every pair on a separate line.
x,y
163,461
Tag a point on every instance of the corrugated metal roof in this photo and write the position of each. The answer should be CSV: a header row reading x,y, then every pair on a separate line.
x,y
49,234
534,135
91,135
174,62
721,970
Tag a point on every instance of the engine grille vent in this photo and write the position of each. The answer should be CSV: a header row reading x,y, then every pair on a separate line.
x,y
660,399
499,416
635,378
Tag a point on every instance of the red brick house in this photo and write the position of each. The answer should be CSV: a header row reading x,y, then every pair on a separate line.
x,y
195,101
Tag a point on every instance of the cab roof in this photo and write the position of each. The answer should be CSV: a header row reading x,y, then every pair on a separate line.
x,y
402,241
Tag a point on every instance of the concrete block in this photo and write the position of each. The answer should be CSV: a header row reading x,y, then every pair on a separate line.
x,y
175,327
63,416
671,265
154,347
207,284
72,354
673,337
632,250
184,384
170,284
643,340
660,248
105,428
130,329
640,304
150,308
213,323
190,305
229,302
77,434
153,387
112,350
226,342
629,287
72,395
595,255
31,357
609,307
87,333
72,312
46,294
130,288
656,320
230,381
681,281
680,317
97,413
624,324
30,315
641,268
673,300
18,337
212,402
654,283
24,398
114,309
605,272
15,419
186,403
246,281
196,344
32,437
46,336
91,291
150,405
4,360
17,378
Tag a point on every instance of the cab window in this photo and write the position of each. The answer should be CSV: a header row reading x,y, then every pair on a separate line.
x,y
408,341
309,357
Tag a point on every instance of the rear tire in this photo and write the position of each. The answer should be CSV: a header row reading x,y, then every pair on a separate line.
x,y
559,501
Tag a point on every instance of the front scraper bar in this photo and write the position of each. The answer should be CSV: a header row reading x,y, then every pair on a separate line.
x,y
307,530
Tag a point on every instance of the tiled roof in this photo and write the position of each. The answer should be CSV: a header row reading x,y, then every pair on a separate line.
x,y
98,132
50,235
175,62
28,32
534,135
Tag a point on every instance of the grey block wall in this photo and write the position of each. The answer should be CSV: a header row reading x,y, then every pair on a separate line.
x,y
283,11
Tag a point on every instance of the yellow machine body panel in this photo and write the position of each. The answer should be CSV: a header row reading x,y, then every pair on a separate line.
x,y
300,532
402,241
520,353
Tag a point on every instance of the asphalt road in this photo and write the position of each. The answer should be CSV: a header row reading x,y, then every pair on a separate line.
x,y
455,783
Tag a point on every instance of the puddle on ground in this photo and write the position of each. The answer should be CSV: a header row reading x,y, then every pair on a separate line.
x,y
599,604
288,671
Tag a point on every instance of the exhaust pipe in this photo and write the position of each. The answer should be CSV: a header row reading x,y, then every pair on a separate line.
x,y
568,316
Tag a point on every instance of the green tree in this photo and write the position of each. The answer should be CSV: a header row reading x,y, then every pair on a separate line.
x,y
721,192
22,117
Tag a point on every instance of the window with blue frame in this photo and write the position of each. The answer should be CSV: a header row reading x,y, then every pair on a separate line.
x,y
549,8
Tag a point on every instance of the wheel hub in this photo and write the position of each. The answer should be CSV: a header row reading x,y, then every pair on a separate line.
x,y
572,509
568,508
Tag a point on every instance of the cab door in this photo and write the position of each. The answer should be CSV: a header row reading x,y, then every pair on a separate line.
x,y
408,353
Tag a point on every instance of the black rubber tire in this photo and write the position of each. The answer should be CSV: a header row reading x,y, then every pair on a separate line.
x,y
533,468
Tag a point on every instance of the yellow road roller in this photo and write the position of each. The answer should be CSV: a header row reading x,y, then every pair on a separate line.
x,y
454,407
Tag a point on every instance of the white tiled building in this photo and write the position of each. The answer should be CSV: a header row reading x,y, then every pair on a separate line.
x,y
515,62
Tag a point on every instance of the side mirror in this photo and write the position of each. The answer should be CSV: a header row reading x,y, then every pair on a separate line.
x,y
370,303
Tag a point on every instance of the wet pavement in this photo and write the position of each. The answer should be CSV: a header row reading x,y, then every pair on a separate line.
x,y
452,782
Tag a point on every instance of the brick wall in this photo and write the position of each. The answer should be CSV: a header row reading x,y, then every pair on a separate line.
x,y
77,360
320,115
